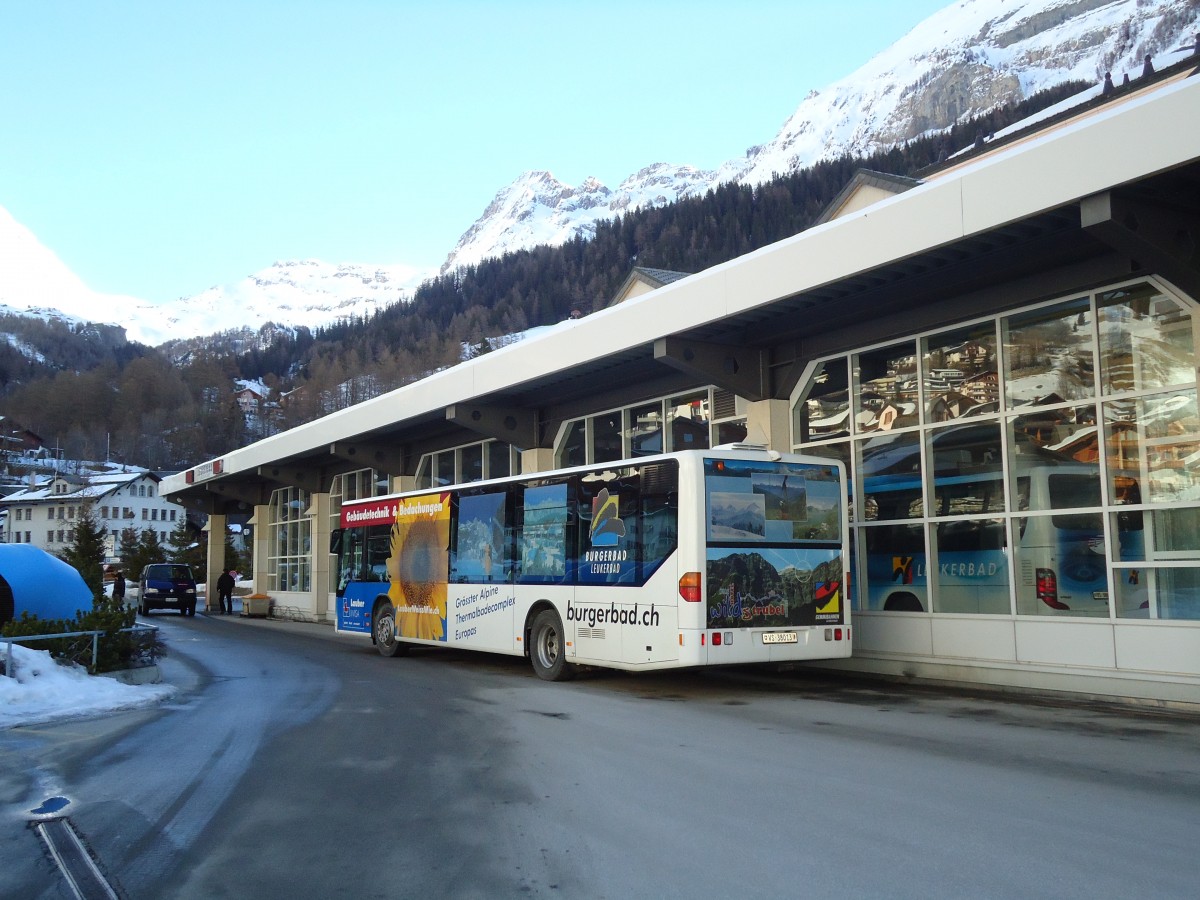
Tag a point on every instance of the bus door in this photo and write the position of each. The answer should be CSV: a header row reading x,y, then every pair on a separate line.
x,y
362,575
481,595
625,605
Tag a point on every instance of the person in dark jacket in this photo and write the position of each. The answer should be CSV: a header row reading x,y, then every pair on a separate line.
x,y
118,589
225,592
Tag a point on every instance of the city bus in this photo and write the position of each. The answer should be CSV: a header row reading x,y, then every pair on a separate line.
x,y
702,557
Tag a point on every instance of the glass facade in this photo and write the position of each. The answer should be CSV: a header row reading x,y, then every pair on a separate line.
x,y
355,485
289,559
682,422
470,462
1041,463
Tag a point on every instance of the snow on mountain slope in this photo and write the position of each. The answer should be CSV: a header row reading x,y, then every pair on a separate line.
x,y
538,209
294,293
965,59
34,281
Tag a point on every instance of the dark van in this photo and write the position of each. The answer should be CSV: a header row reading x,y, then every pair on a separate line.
x,y
167,586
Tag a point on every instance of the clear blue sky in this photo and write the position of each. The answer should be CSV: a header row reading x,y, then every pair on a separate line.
x,y
159,148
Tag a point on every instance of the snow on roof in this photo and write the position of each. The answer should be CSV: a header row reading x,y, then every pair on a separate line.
x,y
91,487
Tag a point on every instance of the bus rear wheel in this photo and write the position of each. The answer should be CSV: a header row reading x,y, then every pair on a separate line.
x,y
547,650
383,629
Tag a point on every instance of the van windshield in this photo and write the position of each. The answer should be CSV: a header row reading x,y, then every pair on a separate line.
x,y
175,573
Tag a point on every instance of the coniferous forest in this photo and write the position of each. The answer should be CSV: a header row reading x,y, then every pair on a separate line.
x,y
94,395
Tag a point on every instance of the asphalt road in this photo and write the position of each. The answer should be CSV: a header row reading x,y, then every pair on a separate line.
x,y
296,763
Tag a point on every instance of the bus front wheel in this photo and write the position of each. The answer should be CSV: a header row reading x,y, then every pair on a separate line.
x,y
547,649
384,631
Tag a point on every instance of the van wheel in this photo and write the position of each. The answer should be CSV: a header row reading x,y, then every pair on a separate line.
x,y
383,630
903,603
547,650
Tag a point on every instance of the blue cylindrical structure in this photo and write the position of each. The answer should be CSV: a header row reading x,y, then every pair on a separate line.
x,y
33,581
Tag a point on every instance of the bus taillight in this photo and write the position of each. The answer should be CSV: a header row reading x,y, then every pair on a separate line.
x,y
689,587
1047,589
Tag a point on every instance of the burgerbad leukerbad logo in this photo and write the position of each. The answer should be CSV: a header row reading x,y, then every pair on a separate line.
x,y
607,528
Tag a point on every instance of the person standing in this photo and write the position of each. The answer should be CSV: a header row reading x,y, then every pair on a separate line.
x,y
225,592
118,588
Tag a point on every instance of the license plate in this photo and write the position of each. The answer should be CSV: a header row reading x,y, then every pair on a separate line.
x,y
779,637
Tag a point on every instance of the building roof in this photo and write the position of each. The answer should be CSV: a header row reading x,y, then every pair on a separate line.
x,y
643,279
91,487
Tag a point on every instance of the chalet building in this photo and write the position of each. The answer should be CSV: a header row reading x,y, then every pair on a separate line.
x,y
45,514
1003,353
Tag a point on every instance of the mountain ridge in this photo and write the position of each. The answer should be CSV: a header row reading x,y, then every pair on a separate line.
x,y
970,56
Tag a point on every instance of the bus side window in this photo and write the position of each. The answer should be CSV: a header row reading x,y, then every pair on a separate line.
x,y
480,538
660,531
542,546
379,548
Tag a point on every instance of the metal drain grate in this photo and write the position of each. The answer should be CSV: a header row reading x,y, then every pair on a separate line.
x,y
74,861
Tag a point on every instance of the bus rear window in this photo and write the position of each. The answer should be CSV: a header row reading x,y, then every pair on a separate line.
x,y
772,502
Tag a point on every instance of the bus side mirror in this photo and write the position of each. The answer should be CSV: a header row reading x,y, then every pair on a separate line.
x,y
335,541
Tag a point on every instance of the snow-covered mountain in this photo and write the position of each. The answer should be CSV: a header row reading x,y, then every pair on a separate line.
x,y
294,293
962,61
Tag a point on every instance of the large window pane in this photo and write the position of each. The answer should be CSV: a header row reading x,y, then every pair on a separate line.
x,y
646,430
885,389
959,371
1060,566
824,410
970,565
470,460
967,469
689,418
443,468
1158,593
606,437
1145,340
499,457
896,567
1049,354
1153,444
890,467
1157,534
573,451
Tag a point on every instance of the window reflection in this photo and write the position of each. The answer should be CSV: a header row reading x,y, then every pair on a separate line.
x,y
573,450
646,430
1049,354
971,559
606,437
959,373
1153,445
1145,340
885,389
689,418
1088,477
891,477
968,474
825,411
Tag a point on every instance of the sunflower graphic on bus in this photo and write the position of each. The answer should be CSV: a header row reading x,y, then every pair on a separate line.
x,y
418,566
